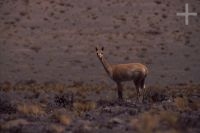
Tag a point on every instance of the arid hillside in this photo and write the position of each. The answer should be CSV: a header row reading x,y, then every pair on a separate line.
x,y
54,40
51,80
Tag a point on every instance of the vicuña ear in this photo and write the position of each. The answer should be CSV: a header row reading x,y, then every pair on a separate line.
x,y
96,49
102,48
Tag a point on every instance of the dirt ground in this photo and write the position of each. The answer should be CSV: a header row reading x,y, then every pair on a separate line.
x,y
52,82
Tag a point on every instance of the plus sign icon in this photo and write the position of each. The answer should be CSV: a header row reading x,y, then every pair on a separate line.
x,y
186,14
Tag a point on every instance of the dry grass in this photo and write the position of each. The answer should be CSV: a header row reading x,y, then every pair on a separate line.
x,y
30,109
6,86
146,123
181,103
14,123
62,116
31,85
169,118
81,106
55,128
149,122
36,87
178,109
63,119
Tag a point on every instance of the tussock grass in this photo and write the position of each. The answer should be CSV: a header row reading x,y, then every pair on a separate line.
x,y
165,109
83,106
146,123
151,121
55,128
13,123
169,117
181,103
30,109
62,118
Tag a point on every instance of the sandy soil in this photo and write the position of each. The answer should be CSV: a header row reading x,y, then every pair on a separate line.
x,y
54,41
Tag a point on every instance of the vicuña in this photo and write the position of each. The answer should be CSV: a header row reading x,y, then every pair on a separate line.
x,y
135,72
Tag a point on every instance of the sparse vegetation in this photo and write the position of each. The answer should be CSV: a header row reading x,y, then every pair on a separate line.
x,y
30,109
181,103
150,121
13,124
165,109
63,118
55,128
82,106
54,84
146,123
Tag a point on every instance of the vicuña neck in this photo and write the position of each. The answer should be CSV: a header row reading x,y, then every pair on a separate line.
x,y
107,66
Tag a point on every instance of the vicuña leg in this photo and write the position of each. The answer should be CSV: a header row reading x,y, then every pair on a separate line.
x,y
143,88
120,94
137,86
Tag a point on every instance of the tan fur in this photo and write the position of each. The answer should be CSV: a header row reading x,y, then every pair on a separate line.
x,y
127,72
135,72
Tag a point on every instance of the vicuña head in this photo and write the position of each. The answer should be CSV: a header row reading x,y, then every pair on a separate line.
x,y
100,52
135,72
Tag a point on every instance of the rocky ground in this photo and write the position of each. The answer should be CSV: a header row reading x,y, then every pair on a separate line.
x,y
57,108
